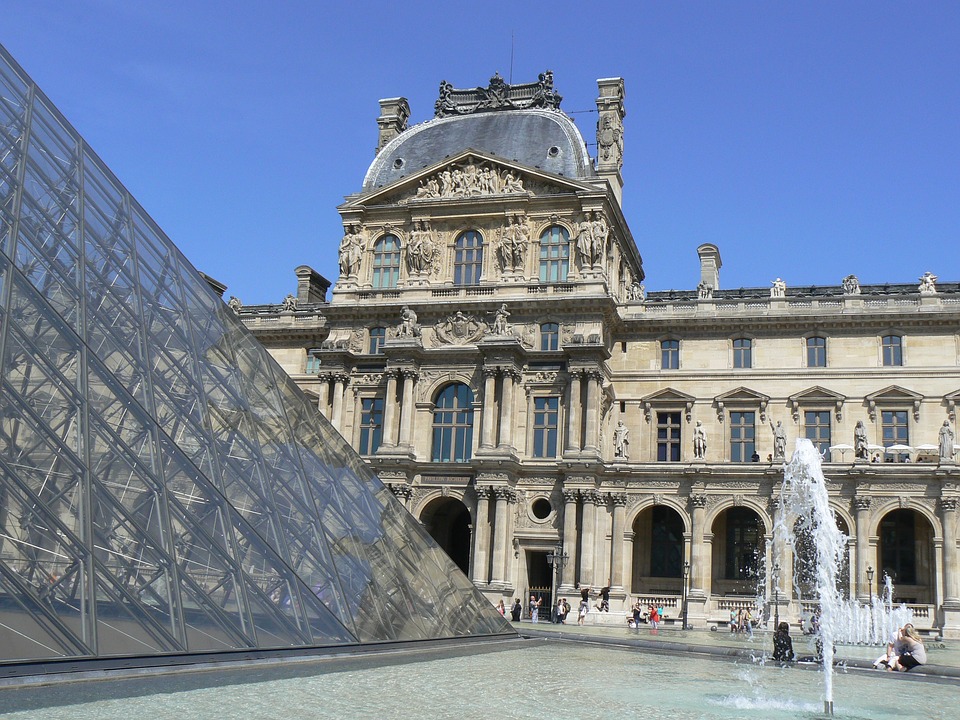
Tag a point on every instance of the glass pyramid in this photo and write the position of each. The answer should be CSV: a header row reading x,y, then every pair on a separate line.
x,y
165,488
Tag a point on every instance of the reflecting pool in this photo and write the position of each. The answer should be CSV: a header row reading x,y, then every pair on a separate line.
x,y
520,679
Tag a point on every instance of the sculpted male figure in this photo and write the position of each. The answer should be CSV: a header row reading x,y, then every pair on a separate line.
x,y
946,441
699,441
860,450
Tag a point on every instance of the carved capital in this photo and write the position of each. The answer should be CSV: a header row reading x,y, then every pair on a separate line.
x,y
947,504
698,501
862,502
403,492
593,497
483,492
618,499
570,497
409,374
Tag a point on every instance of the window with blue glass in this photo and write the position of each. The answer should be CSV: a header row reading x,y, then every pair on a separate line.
x,y
816,351
371,425
670,355
313,362
377,336
892,350
816,428
742,353
550,336
744,544
554,254
668,437
386,262
546,413
453,424
742,436
896,430
468,258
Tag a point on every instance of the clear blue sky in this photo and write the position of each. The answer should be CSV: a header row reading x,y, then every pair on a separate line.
x,y
808,140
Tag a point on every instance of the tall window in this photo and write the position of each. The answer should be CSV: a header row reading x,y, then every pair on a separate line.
x,y
453,424
742,436
668,437
816,351
546,412
468,258
550,336
377,336
386,262
743,544
666,538
816,428
743,353
313,362
371,425
895,428
669,354
898,547
892,350
554,254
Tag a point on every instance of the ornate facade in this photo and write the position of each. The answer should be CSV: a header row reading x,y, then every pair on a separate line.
x,y
490,350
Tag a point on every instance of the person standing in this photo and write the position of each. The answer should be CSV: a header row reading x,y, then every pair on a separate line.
x,y
501,608
516,610
782,644
534,609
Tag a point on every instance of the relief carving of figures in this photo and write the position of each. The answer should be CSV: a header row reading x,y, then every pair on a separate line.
x,y
592,240
512,247
779,289
851,285
408,326
351,251
421,249
946,441
468,180
459,329
610,139
928,284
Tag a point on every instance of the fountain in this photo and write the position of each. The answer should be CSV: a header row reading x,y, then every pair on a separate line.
x,y
804,510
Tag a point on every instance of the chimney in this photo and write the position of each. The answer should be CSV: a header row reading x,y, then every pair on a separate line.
x,y
218,287
610,133
710,265
311,285
394,113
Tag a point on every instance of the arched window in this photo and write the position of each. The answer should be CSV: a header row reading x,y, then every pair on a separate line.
x,y
468,258
453,424
550,336
744,544
554,254
892,350
377,336
386,262
742,353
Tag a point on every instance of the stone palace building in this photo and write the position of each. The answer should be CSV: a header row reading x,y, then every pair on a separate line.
x,y
490,350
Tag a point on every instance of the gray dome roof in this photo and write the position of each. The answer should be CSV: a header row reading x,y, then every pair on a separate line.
x,y
547,139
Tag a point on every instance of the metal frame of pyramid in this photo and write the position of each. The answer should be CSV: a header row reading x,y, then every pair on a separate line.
x,y
165,488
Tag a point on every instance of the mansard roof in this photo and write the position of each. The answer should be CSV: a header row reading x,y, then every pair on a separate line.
x,y
541,138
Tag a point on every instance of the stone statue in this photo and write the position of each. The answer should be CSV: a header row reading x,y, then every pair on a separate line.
x,y
585,241
235,304
513,245
860,450
408,323
289,303
779,289
351,250
610,139
851,285
420,249
928,284
637,292
704,291
600,234
500,325
779,440
946,441
621,441
699,441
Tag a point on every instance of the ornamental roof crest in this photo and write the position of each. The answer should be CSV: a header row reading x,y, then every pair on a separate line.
x,y
498,95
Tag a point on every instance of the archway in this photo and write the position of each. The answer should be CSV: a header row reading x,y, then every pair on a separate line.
x,y
657,551
448,522
906,554
805,562
738,551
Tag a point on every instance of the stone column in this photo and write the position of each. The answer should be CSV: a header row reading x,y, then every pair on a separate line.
x,y
570,538
616,540
588,550
501,494
406,406
390,410
323,395
862,505
339,387
574,414
699,565
481,537
403,493
487,420
948,514
591,440
506,409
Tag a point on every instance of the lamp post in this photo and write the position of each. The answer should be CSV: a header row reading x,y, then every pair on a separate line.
x,y
776,595
870,582
685,590
557,559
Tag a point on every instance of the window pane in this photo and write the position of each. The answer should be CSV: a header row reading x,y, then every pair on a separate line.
x,y
670,355
816,426
554,254
468,258
386,262
816,352
377,336
453,424
545,423
550,336
892,350
742,436
742,353
371,425
668,437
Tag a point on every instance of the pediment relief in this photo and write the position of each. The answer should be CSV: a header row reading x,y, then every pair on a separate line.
x,y
951,399
816,396
894,395
742,397
668,397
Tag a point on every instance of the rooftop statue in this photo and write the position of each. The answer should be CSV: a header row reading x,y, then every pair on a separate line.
x,y
498,95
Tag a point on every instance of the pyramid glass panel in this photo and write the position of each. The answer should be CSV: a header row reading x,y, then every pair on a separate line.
x,y
165,488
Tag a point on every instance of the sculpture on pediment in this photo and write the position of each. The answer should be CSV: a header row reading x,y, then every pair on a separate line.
x,y
851,285
779,289
928,284
459,329
421,249
289,303
235,304
592,239
512,246
468,180
408,326
351,251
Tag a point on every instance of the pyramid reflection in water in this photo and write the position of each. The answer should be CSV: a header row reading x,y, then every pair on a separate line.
x,y
164,487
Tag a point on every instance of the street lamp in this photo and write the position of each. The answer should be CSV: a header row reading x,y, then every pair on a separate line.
x,y
685,590
776,595
557,559
870,582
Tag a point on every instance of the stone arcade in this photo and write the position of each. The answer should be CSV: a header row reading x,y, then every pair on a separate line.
x,y
490,350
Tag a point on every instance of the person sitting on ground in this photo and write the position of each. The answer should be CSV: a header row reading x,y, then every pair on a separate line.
x,y
908,651
782,644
